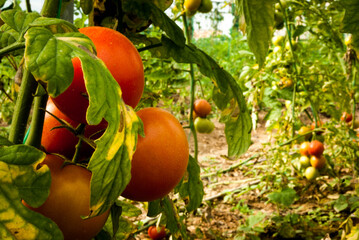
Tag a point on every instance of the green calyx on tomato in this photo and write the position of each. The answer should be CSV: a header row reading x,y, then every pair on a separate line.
x,y
203,125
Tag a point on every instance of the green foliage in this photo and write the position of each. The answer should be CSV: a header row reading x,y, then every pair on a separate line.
x,y
284,197
19,180
258,26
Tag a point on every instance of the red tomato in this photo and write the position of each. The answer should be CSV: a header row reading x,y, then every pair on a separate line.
x,y
161,157
69,200
157,233
121,58
347,117
63,141
202,107
316,148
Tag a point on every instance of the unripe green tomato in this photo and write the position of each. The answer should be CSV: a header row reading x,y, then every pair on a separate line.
x,y
192,5
203,125
311,173
206,6
304,161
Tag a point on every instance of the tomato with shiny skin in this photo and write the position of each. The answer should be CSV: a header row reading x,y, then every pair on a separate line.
x,y
157,233
202,107
123,61
311,173
318,162
69,200
303,149
316,148
203,125
304,161
346,117
62,140
161,156
191,5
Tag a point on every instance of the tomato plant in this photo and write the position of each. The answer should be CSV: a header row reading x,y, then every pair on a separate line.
x,y
161,156
69,200
59,139
157,233
122,60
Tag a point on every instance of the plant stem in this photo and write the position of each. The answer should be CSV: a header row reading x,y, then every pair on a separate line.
x,y
354,73
50,8
193,88
11,48
297,72
28,6
22,108
34,138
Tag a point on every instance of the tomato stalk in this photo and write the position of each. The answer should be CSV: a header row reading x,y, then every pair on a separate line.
x,y
22,108
34,138
192,91
354,73
297,72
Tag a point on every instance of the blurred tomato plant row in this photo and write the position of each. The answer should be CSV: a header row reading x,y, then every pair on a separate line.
x,y
104,82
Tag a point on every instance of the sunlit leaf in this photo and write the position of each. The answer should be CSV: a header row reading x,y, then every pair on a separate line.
x,y
259,27
48,57
20,180
285,197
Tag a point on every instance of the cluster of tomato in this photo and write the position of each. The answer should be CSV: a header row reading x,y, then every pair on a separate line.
x,y
157,166
312,158
201,109
192,6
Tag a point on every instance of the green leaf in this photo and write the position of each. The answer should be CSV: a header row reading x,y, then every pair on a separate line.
x,y
16,23
340,204
34,185
157,17
55,25
128,209
19,180
193,187
48,57
285,197
259,18
5,142
154,208
18,20
173,223
350,22
238,123
354,233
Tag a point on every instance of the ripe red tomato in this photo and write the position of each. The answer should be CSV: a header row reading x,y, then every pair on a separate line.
x,y
318,162
63,141
69,200
157,233
347,117
303,149
316,148
202,107
161,157
121,58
